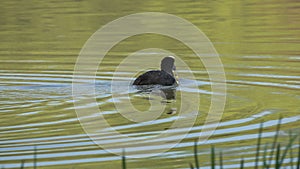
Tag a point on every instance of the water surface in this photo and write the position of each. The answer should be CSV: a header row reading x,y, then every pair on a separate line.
x,y
258,43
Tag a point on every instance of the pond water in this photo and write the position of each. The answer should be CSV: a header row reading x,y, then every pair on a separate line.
x,y
258,44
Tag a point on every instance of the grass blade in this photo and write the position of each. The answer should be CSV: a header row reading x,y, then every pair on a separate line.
x,y
35,158
213,157
275,141
22,164
221,160
287,149
258,145
291,151
123,160
265,165
298,163
277,162
196,155
242,163
191,166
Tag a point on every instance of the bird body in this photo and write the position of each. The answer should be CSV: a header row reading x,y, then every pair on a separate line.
x,y
155,77
164,77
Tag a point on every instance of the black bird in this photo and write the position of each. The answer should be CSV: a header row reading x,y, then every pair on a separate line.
x,y
164,77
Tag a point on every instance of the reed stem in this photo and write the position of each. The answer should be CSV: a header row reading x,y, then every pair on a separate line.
x,y
258,145
196,155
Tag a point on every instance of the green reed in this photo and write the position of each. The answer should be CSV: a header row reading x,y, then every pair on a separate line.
x,y
242,163
196,155
298,163
221,160
274,142
35,158
276,157
278,152
258,145
212,157
123,159
22,164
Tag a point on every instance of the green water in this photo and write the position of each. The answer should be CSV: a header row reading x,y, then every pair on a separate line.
x,y
258,43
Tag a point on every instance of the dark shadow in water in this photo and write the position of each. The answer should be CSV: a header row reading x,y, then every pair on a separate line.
x,y
168,94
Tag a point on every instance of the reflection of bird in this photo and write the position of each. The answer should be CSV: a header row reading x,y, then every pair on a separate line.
x,y
168,93
164,77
